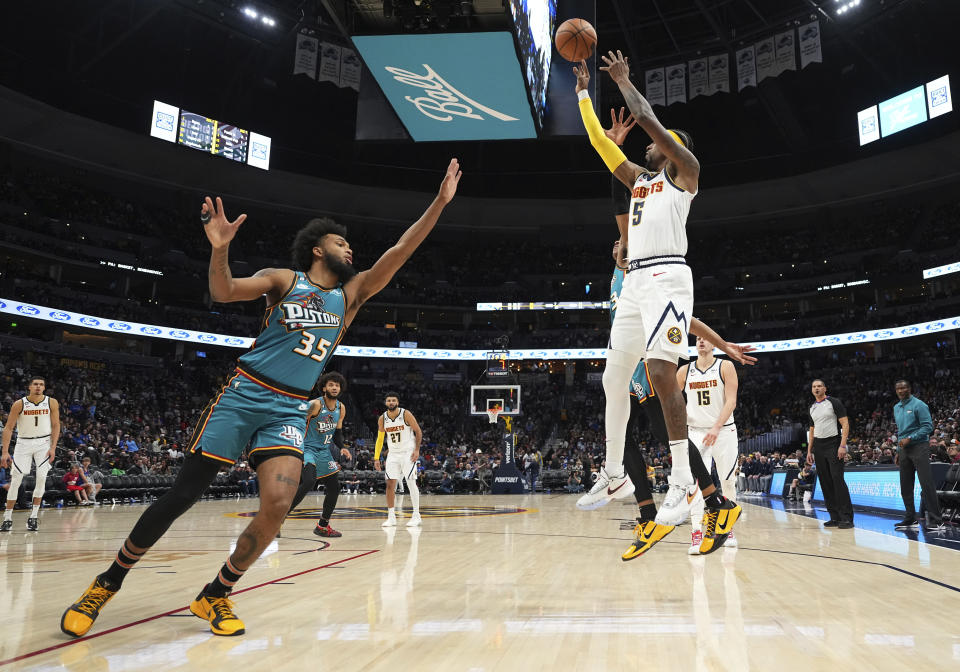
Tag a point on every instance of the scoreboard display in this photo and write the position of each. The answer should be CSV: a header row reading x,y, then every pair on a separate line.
x,y
210,135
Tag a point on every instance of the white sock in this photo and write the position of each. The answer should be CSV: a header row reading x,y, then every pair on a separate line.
x,y
391,511
680,473
414,496
36,511
696,511
616,386
8,514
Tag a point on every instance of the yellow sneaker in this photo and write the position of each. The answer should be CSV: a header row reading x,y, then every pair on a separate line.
x,y
646,534
79,616
717,525
219,612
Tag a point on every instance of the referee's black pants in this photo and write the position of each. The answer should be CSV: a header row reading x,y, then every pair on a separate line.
x,y
830,472
915,458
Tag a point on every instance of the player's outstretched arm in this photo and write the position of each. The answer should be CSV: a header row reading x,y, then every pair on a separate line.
x,y
369,282
686,164
224,288
612,156
735,352
15,410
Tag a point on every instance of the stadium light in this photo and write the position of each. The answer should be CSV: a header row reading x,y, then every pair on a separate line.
x,y
250,12
268,21
847,6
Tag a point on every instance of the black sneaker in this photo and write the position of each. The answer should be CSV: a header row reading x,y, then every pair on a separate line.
x,y
845,525
908,523
6,526
33,524
832,523
933,526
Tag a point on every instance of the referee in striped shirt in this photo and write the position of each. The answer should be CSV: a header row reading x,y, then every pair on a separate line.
x,y
827,446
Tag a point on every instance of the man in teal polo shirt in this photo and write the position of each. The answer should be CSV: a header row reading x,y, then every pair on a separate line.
x,y
914,426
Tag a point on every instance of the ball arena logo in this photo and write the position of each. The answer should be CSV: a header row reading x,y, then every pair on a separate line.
x,y
151,331
60,316
442,101
233,340
207,338
28,310
90,321
379,512
176,333
674,335
120,326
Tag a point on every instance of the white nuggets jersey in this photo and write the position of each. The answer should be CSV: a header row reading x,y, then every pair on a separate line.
x,y
704,395
400,437
34,420
658,218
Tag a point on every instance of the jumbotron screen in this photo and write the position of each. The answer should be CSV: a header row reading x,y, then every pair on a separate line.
x,y
533,23
209,135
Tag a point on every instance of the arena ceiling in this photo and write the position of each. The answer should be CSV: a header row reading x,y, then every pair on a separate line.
x,y
110,59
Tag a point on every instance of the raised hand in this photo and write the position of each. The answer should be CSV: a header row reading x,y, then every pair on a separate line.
x,y
583,76
220,231
738,353
448,188
619,128
617,66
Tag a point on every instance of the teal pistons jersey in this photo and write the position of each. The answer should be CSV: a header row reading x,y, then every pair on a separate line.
x,y
321,428
297,339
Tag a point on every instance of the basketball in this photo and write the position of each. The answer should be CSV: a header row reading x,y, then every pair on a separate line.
x,y
575,40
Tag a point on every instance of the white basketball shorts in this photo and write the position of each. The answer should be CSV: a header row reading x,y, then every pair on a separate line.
x,y
654,312
27,450
399,465
723,451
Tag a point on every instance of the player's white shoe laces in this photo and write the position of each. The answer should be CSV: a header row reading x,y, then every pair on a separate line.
x,y
675,508
605,489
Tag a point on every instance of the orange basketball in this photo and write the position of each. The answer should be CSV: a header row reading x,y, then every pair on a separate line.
x,y
575,40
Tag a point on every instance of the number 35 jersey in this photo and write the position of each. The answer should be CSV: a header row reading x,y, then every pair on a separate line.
x,y
704,395
297,338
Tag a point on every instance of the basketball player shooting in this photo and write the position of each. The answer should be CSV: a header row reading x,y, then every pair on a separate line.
x,y
402,434
264,403
655,305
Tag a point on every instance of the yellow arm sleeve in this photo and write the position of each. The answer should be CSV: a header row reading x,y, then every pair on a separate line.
x,y
379,446
606,148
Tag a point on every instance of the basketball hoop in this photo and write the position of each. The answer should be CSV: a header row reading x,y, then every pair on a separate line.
x,y
493,414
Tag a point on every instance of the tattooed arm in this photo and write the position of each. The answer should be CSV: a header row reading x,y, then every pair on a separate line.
x,y
223,286
683,165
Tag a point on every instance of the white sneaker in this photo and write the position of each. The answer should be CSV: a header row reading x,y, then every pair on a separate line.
x,y
731,541
676,505
696,538
605,490
414,521
391,521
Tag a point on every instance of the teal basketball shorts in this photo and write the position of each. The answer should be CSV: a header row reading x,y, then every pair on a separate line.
x,y
322,458
250,413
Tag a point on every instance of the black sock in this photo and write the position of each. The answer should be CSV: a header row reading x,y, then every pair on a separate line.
x,y
714,501
226,579
648,511
123,563
323,522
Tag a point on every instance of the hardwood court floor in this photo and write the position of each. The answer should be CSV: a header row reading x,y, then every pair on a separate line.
x,y
489,583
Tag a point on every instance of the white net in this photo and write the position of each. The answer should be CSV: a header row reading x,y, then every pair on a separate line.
x,y
493,414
